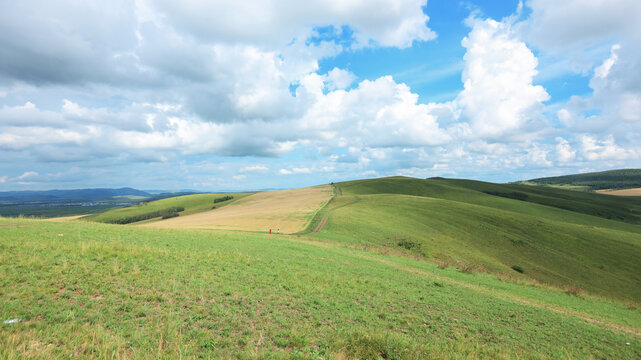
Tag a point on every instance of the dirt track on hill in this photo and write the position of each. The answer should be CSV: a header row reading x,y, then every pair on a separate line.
x,y
287,210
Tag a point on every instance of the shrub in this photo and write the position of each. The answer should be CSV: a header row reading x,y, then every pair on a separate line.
x,y
224,198
165,214
169,215
407,244
518,269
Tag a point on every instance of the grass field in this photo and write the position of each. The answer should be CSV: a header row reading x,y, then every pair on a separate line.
x,y
90,290
459,223
191,204
287,210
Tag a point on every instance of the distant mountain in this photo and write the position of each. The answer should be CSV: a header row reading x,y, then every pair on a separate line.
x,y
61,195
612,179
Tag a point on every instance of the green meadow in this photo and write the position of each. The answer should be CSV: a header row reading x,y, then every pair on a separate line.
x,y
109,291
392,268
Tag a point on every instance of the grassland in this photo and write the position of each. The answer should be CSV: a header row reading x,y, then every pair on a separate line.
x,y
563,238
91,290
191,204
288,210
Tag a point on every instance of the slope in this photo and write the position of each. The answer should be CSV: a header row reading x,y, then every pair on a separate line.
x,y
457,223
154,210
104,291
287,210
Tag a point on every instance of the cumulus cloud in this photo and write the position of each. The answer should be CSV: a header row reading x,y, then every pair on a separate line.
x,y
499,98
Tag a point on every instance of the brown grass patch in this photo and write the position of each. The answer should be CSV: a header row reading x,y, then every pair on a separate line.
x,y
624,192
287,210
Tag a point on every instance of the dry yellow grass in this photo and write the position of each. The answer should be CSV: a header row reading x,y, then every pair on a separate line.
x,y
65,218
624,192
287,210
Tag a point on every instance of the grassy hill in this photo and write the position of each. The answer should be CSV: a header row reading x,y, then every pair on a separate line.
x,y
582,242
155,210
612,179
91,290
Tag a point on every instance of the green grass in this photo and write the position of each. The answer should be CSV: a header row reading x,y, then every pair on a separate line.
x,y
455,223
93,290
191,203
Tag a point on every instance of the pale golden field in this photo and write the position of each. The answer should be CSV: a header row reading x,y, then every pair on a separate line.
x,y
625,192
64,218
287,210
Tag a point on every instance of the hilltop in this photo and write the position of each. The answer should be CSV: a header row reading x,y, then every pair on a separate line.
x,y
611,179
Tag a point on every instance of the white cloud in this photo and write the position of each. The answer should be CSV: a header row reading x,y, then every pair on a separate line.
x,y
571,25
339,79
564,151
27,175
239,177
388,22
295,170
499,98
254,168
593,149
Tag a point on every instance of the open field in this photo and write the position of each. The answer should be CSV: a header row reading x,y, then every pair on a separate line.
x,y
191,204
625,192
91,290
287,210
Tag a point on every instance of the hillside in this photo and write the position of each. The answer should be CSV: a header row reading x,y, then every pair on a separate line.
x,y
583,242
286,210
90,290
612,179
175,206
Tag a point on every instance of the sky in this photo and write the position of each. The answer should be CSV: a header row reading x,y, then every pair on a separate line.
x,y
254,94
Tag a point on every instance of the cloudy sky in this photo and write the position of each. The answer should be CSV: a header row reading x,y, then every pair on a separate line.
x,y
255,94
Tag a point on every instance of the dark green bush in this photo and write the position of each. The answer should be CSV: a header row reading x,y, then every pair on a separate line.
x,y
518,269
224,198
165,214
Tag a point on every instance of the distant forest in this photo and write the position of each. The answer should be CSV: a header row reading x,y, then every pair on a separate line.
x,y
612,179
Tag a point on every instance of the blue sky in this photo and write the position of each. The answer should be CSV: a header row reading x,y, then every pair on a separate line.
x,y
158,94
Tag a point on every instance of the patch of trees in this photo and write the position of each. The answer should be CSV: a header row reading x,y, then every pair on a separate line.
x,y
164,213
221,199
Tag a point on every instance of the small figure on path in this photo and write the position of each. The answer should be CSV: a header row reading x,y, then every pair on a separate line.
x,y
278,231
270,231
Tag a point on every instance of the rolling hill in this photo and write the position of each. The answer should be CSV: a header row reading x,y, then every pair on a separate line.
x,y
574,240
612,179
389,268
170,207
287,211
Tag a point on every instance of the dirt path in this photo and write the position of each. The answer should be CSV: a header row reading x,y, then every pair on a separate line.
x,y
486,291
